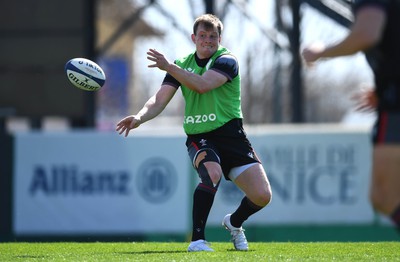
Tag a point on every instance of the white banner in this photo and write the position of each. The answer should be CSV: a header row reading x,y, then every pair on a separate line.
x,y
94,183
316,178
101,183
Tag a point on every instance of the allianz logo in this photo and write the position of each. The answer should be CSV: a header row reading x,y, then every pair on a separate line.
x,y
198,119
70,180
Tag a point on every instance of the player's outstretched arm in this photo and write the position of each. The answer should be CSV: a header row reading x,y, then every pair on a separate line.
x,y
152,108
366,31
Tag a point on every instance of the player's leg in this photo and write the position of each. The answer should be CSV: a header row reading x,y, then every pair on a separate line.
x,y
385,193
206,163
203,197
253,181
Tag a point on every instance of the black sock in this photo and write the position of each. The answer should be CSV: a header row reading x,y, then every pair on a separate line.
x,y
246,209
203,199
395,217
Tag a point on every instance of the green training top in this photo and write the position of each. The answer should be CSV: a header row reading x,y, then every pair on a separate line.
x,y
211,110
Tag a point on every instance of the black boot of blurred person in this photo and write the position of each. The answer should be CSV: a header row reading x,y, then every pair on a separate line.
x,y
395,217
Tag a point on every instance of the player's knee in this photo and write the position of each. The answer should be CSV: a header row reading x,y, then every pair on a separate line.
x,y
214,171
265,198
210,174
208,168
262,197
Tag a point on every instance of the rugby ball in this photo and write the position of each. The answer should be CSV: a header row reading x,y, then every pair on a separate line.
x,y
85,74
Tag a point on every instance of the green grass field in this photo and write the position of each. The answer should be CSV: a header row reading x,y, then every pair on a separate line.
x,y
174,251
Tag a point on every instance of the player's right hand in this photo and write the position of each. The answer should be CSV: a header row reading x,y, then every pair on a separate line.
x,y
127,124
312,53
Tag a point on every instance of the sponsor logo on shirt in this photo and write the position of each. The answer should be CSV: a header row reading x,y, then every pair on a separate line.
x,y
198,119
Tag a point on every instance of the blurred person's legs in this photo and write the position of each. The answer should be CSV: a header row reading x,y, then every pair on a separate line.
x,y
385,187
385,184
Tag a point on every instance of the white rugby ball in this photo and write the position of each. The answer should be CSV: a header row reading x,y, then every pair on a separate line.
x,y
85,74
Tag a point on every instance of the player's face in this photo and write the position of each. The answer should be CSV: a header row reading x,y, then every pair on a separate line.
x,y
207,41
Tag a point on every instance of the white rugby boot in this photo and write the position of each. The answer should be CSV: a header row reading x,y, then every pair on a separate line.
x,y
238,237
199,245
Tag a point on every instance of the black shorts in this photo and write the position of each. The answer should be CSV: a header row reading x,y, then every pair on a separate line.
x,y
229,142
387,128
